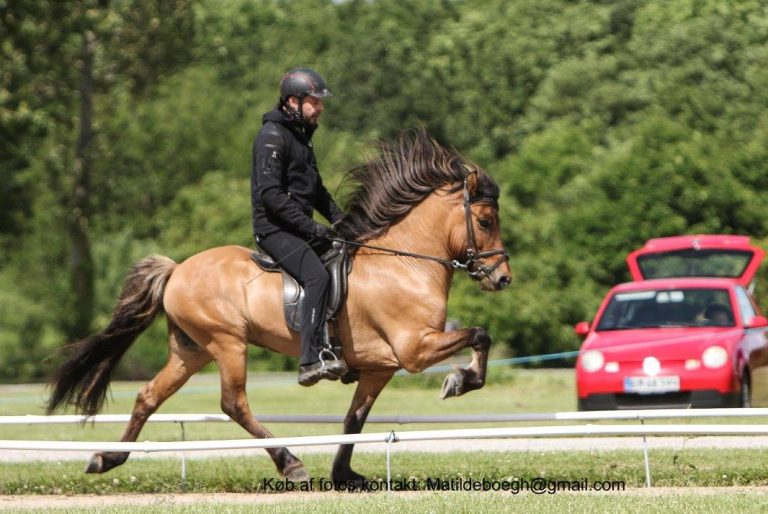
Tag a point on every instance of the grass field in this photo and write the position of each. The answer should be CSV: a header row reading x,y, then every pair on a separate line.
x,y
671,468
743,473
507,391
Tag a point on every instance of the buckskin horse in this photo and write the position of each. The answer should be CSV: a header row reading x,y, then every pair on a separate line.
x,y
418,213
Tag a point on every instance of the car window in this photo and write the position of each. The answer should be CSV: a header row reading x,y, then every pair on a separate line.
x,y
695,263
667,308
745,306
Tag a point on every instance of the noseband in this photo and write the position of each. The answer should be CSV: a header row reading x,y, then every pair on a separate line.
x,y
471,266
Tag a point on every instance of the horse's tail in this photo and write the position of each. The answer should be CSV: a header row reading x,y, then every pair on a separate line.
x,y
83,379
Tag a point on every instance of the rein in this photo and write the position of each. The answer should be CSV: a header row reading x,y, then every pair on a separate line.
x,y
473,256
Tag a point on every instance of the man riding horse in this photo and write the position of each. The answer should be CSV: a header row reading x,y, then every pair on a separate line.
x,y
285,190
419,213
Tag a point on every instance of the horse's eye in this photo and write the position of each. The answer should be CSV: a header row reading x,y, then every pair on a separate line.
x,y
485,224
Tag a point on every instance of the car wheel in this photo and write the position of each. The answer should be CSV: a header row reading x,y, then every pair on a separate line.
x,y
745,393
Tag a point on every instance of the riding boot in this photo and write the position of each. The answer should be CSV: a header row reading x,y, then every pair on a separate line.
x,y
326,366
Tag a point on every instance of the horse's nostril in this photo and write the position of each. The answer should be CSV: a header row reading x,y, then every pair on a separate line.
x,y
504,281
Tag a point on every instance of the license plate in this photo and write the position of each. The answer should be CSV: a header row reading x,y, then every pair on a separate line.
x,y
647,385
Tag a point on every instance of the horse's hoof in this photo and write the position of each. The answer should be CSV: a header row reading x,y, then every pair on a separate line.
x,y
96,464
350,376
297,474
453,385
350,480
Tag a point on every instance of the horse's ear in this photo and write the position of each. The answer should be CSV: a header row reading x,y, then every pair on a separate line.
x,y
472,182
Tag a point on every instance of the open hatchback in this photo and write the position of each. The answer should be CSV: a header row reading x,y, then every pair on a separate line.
x,y
686,332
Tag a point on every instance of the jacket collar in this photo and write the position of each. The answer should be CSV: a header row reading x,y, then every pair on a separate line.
x,y
302,130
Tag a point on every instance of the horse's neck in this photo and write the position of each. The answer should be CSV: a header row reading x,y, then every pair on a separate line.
x,y
423,231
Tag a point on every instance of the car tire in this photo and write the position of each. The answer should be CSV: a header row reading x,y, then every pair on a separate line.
x,y
745,392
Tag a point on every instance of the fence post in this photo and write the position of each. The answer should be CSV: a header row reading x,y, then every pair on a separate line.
x,y
183,461
391,438
646,460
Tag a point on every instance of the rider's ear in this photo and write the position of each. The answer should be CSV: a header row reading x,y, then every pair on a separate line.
x,y
292,102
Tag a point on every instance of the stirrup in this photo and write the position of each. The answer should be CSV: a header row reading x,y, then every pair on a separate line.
x,y
325,369
328,351
332,364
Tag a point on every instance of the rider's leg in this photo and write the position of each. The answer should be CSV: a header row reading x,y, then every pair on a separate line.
x,y
298,258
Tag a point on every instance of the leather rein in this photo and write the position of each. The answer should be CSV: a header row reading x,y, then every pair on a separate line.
x,y
471,266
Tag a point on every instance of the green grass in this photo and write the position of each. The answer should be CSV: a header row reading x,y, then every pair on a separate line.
x,y
669,468
509,390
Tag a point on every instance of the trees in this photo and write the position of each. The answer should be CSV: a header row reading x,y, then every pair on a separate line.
x,y
125,129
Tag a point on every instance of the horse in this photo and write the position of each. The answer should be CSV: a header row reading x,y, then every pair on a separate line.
x,y
418,213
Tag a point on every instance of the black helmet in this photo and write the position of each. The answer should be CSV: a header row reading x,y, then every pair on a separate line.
x,y
300,82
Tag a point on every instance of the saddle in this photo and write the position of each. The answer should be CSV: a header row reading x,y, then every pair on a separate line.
x,y
338,264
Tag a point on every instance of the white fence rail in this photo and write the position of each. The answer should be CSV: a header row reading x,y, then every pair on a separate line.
x,y
391,437
400,419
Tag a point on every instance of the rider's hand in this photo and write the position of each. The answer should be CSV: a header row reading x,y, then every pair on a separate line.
x,y
322,232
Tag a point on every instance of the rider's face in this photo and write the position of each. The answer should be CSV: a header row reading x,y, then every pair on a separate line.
x,y
311,107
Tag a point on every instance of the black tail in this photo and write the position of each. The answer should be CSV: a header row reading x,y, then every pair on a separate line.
x,y
83,379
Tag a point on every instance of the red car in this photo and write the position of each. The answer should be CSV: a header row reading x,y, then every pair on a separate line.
x,y
686,332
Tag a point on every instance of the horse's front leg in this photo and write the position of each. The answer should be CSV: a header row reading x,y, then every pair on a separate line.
x,y
368,389
463,380
438,346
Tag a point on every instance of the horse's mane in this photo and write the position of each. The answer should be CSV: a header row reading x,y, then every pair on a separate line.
x,y
402,174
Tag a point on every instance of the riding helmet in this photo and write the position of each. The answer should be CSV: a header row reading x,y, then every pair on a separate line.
x,y
300,82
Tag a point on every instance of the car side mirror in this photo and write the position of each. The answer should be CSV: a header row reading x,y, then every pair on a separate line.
x,y
582,328
758,322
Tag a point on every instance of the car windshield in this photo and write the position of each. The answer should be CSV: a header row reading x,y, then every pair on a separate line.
x,y
668,308
694,263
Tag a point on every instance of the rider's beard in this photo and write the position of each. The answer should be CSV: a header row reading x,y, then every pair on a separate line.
x,y
312,122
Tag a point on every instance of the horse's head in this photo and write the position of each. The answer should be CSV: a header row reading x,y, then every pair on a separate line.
x,y
476,235
406,172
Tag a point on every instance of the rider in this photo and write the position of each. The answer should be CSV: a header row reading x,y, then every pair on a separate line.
x,y
286,188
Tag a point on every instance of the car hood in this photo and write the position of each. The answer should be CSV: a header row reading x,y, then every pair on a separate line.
x,y
667,343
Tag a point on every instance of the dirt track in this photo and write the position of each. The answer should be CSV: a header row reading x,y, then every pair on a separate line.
x,y
126,500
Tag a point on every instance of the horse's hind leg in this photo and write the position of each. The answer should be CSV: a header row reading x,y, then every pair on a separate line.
x,y
367,391
185,359
230,355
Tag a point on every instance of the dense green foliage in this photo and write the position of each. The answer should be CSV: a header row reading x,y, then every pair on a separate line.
x,y
125,129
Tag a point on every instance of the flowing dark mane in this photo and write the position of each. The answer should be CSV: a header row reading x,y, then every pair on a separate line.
x,y
402,174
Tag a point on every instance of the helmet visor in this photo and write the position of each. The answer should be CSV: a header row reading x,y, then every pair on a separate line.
x,y
320,93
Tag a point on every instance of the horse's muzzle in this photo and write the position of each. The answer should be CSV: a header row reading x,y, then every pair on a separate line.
x,y
494,282
503,282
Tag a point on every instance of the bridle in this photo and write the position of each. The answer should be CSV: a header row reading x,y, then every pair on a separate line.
x,y
473,256
471,266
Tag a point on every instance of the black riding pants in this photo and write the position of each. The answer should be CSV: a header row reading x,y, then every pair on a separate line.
x,y
298,258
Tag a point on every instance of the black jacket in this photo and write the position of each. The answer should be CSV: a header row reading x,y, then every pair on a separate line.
x,y
285,183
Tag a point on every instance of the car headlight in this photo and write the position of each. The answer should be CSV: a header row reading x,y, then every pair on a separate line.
x,y
714,357
592,360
